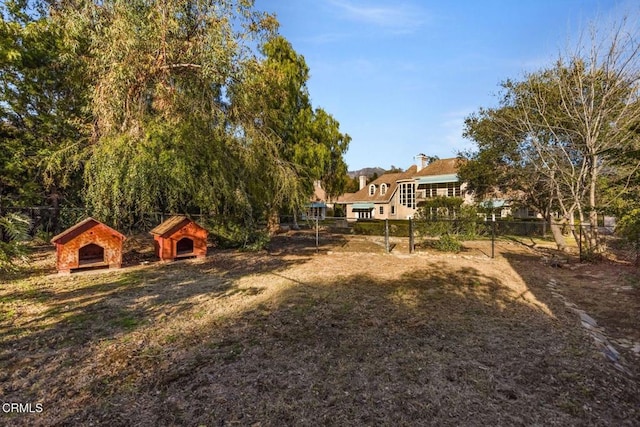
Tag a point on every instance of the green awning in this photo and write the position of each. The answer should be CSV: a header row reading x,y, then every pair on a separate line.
x,y
318,205
495,204
363,206
438,179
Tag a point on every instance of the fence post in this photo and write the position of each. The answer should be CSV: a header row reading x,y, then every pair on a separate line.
x,y
317,239
580,241
386,234
411,235
493,238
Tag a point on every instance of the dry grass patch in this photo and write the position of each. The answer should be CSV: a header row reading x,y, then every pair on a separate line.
x,y
297,338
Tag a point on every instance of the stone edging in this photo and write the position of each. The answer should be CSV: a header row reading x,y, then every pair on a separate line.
x,y
591,326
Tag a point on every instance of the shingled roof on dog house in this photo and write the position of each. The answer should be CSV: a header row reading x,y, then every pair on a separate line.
x,y
179,237
89,243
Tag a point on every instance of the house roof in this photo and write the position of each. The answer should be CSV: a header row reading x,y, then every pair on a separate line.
x,y
440,167
80,228
391,181
171,225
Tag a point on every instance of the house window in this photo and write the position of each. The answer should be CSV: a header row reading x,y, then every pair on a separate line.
x,y
372,189
430,191
363,214
453,189
381,210
383,190
393,209
408,194
450,189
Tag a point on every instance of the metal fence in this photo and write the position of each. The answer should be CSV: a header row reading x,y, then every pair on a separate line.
x,y
414,230
49,222
417,231
606,240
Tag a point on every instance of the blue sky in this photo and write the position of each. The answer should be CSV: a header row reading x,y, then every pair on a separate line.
x,y
401,76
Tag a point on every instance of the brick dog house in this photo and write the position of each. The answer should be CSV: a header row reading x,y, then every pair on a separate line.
x,y
179,237
89,243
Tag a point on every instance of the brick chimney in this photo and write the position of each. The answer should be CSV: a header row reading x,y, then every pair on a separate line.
x,y
363,181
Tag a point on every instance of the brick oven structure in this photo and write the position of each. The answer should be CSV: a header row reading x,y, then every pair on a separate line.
x,y
179,237
87,244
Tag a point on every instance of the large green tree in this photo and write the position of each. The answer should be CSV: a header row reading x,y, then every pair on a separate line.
x,y
561,130
159,106
167,136
276,97
42,110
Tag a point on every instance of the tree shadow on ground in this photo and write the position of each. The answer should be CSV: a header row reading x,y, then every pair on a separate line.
x,y
303,242
600,289
51,326
433,346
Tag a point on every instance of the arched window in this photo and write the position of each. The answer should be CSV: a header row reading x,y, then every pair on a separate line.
x,y
383,189
372,189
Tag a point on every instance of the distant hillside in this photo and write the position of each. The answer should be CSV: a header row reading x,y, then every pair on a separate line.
x,y
366,172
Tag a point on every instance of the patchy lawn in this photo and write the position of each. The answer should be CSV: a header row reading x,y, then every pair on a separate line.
x,y
345,336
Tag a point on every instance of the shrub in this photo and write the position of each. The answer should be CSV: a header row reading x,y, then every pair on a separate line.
x,y
397,227
629,226
447,243
454,218
368,228
440,207
14,230
434,228
230,235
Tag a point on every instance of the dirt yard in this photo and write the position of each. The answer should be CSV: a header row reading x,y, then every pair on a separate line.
x,y
346,335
